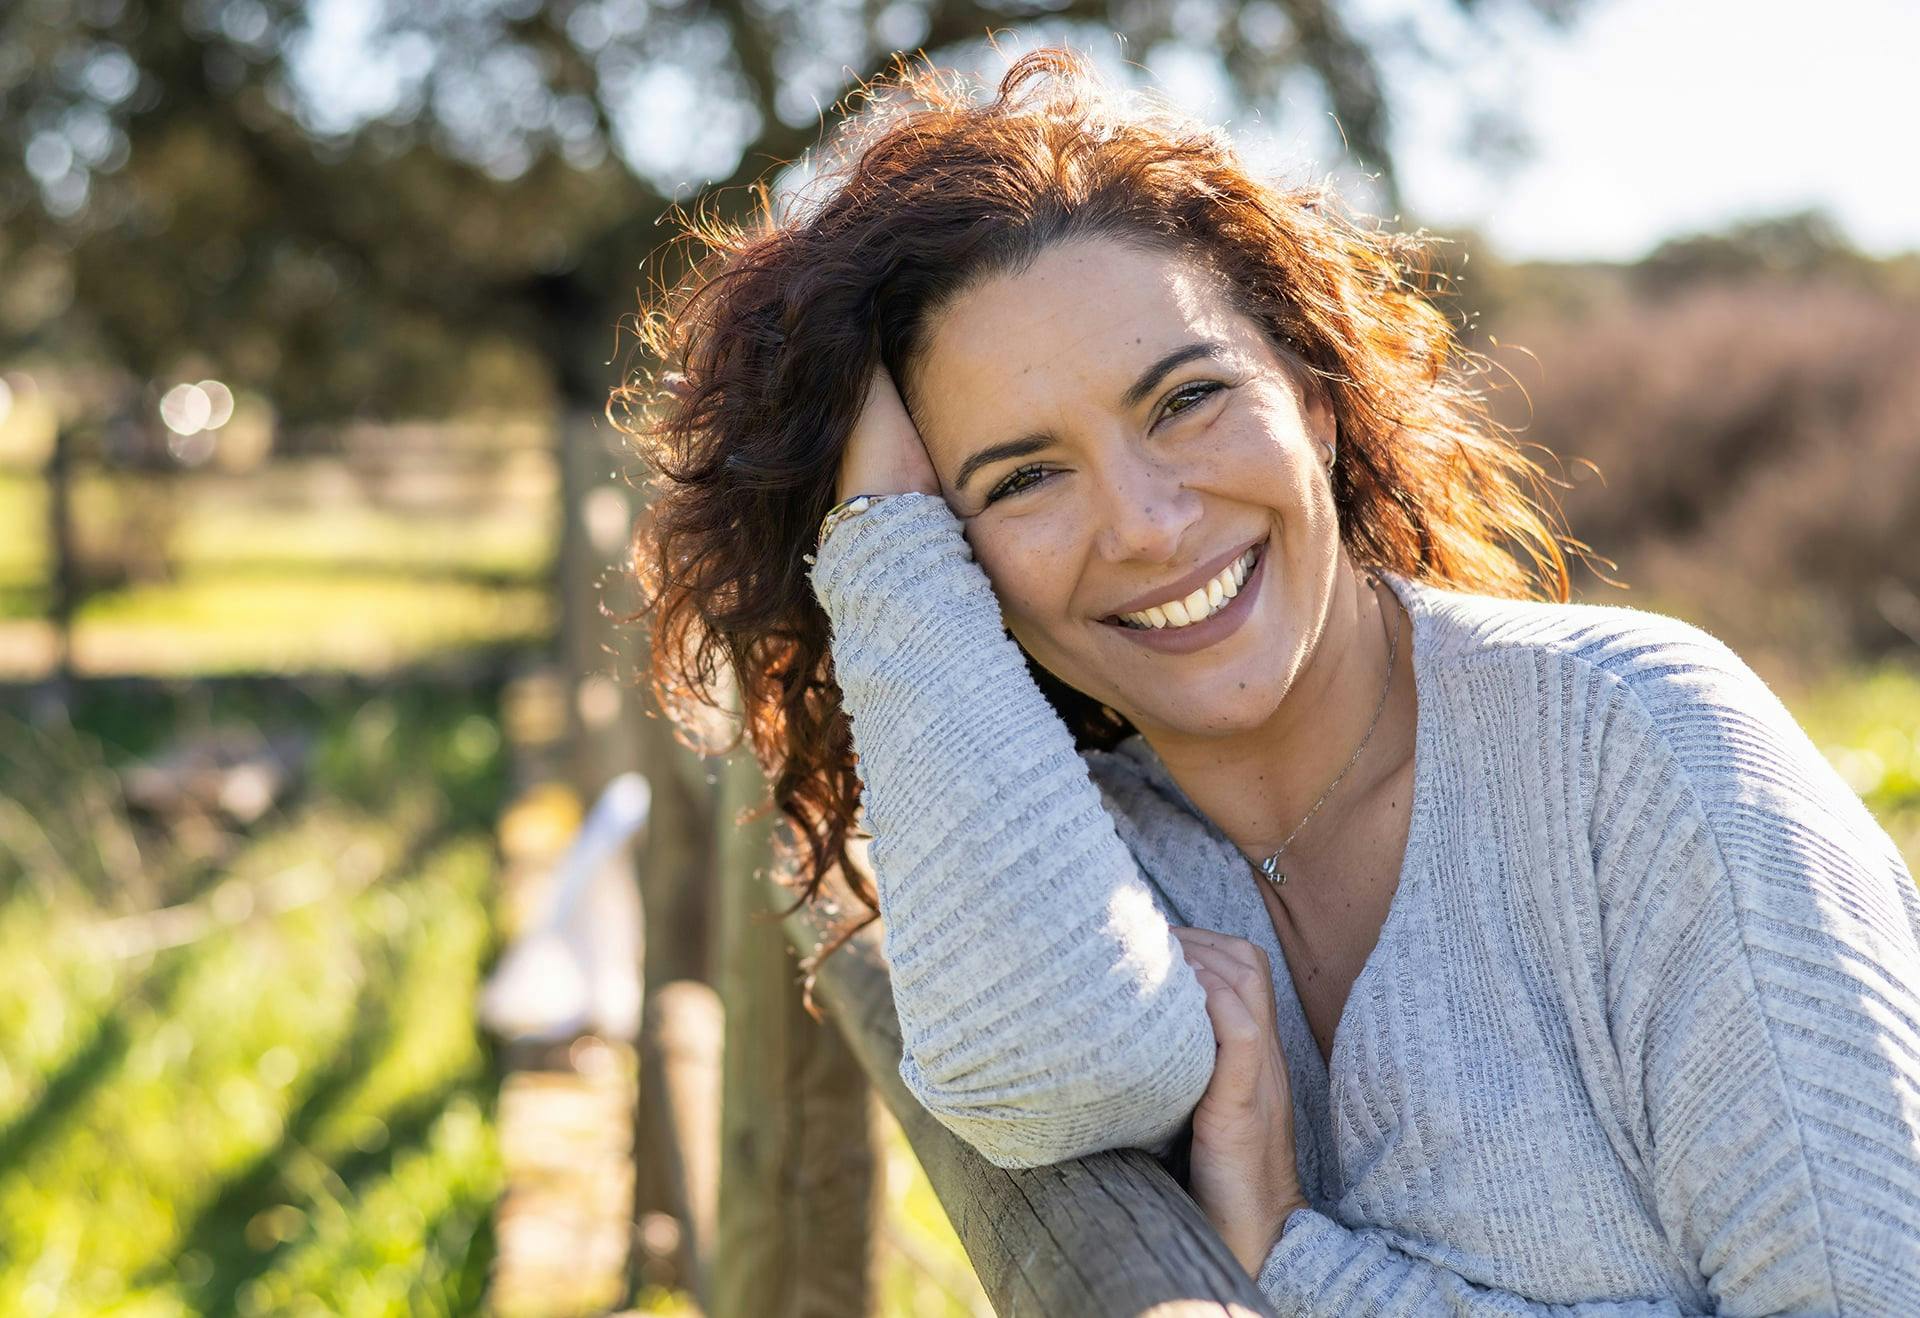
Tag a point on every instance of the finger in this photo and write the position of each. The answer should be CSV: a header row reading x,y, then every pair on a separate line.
x,y
1250,1066
1224,944
1253,985
1200,954
1240,949
1250,972
1235,1020
1240,1060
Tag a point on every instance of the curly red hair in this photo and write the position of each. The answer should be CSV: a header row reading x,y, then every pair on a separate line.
x,y
778,328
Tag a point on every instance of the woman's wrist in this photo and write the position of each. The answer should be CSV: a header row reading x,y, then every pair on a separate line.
x,y
1287,1211
1252,1248
849,507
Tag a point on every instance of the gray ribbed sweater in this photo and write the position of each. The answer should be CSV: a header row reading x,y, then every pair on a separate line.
x,y
1641,1033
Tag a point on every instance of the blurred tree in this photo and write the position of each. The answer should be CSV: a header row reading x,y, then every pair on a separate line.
x,y
1797,244
369,206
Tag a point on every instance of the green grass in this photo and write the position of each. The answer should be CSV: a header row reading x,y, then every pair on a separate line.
x,y
1868,725
513,545
284,521
291,1113
23,523
278,622
914,1213
280,572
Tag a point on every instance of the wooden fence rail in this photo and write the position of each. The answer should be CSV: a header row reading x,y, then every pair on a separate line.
x,y
1110,1235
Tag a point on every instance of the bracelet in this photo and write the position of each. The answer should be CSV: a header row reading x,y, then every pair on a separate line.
x,y
849,507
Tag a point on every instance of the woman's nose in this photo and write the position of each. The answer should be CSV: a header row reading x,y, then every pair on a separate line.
x,y
1145,512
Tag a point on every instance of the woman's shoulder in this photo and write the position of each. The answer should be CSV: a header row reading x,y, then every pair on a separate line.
x,y
1654,698
1625,681
1675,670
1619,640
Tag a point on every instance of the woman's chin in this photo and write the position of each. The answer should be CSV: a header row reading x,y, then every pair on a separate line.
x,y
1199,717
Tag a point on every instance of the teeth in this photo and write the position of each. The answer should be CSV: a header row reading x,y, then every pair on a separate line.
x,y
1202,603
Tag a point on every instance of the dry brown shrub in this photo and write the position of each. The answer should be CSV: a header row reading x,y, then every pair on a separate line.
x,y
1758,443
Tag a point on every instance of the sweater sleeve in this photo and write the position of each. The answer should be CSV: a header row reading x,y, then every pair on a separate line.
x,y
1046,1011
1762,950
1762,945
1320,1267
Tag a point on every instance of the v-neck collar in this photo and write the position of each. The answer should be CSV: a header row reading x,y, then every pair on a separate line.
x,y
1317,1082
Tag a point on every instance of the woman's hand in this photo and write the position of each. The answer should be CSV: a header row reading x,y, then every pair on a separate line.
x,y
884,454
1242,1173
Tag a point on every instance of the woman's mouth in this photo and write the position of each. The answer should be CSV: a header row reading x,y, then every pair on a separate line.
x,y
1204,616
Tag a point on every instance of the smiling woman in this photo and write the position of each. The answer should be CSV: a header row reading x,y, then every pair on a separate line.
x,y
1241,782
1142,485
774,339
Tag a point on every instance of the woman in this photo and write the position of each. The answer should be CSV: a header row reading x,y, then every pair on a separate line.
x,y
1234,761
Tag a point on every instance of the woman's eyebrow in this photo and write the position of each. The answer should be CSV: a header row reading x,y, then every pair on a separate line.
x,y
1150,377
1139,389
1011,448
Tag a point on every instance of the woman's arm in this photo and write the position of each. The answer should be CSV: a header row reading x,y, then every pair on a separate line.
x,y
1763,960
1321,1267
1045,1009
1762,944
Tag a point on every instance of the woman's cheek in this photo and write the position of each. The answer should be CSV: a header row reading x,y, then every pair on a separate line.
x,y
1020,609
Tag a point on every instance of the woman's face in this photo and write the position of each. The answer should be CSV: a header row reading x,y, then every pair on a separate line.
x,y
1114,434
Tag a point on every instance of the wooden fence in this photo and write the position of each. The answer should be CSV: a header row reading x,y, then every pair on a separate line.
x,y
95,514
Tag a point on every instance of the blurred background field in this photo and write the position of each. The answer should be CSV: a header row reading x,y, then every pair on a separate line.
x,y
307,511
241,1071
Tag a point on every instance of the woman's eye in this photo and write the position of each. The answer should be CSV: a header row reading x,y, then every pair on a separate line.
x,y
1013,483
1192,393
1180,400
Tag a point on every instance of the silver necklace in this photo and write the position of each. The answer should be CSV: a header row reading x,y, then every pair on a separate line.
x,y
1270,866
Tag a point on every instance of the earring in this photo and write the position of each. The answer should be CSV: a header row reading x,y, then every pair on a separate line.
x,y
1329,458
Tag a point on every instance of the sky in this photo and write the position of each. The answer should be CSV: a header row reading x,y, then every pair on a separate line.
x,y
1649,118
1658,117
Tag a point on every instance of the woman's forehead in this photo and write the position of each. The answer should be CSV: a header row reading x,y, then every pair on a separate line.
x,y
1077,327
1094,293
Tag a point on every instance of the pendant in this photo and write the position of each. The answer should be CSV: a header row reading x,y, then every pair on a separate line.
x,y
1270,867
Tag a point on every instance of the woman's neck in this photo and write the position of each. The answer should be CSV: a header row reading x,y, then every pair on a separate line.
x,y
1257,786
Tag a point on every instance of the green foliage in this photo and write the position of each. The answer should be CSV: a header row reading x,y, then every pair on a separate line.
x,y
184,190
288,1111
1869,728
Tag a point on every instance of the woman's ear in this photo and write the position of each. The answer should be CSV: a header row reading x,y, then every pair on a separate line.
x,y
1316,403
1316,396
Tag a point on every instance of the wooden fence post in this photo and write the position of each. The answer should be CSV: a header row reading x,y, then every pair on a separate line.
x,y
62,556
601,655
801,1176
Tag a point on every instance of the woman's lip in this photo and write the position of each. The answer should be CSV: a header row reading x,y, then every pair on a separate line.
x,y
1219,626
1179,590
